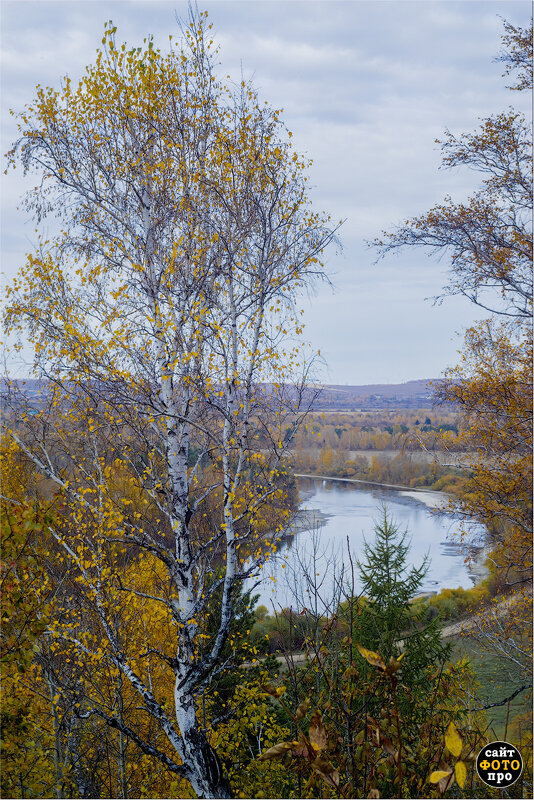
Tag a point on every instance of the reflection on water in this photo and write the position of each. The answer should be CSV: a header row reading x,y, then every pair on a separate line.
x,y
342,515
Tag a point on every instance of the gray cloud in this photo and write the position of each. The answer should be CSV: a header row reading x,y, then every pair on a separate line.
x,y
366,88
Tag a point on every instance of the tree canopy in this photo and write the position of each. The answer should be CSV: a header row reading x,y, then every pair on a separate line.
x,y
162,317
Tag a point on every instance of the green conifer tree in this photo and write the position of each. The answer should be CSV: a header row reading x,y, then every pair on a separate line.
x,y
388,622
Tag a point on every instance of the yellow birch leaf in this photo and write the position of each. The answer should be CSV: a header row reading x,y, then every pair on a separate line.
x,y
460,772
453,740
438,775
372,658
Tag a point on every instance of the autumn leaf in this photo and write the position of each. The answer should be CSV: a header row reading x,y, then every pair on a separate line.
x,y
326,771
460,772
453,740
278,751
317,731
302,709
438,775
372,658
387,744
446,783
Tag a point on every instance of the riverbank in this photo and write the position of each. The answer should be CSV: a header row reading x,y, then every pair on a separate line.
x,y
306,520
431,499
368,483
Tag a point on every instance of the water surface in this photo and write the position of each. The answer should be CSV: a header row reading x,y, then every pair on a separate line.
x,y
336,517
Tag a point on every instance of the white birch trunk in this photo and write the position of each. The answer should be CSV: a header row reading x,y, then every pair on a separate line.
x,y
193,747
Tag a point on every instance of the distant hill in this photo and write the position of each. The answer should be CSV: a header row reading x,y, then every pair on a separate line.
x,y
331,397
413,394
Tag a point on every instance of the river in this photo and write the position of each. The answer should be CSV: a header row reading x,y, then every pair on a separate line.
x,y
334,517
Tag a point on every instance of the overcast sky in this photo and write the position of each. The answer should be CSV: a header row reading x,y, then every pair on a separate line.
x,y
366,87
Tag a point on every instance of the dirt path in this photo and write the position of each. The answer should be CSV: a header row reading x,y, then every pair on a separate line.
x,y
456,628
462,626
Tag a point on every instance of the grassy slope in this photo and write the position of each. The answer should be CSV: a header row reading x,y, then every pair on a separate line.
x,y
498,679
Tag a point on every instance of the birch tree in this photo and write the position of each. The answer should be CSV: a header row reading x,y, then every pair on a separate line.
x,y
162,317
